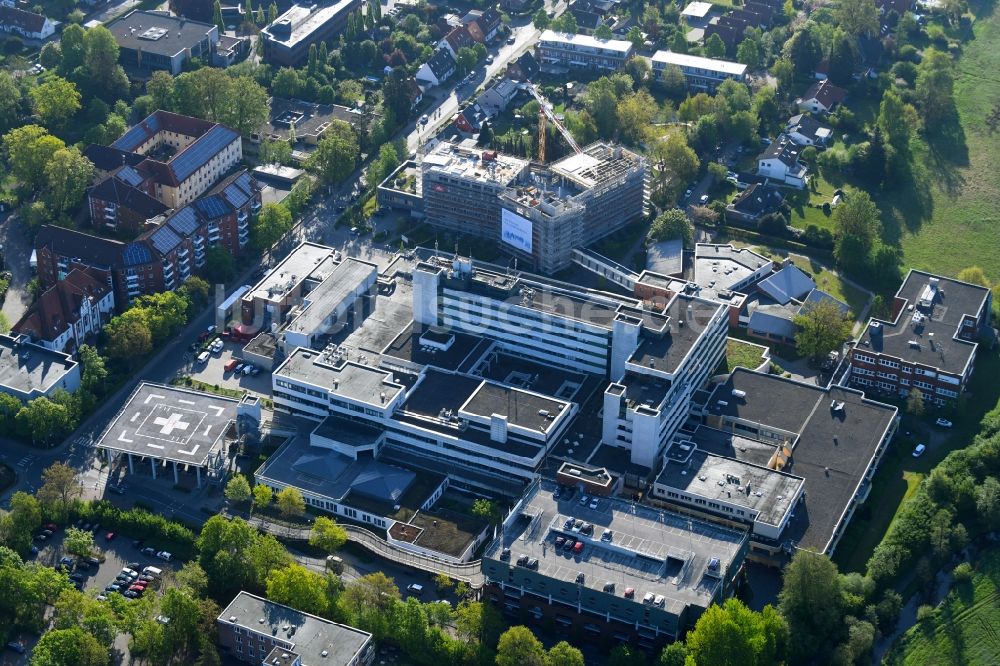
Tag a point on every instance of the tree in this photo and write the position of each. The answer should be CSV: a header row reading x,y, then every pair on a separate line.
x,y
675,159
843,58
804,51
564,654
858,227
217,17
974,275
275,152
164,312
238,489
635,114
674,654
93,371
247,106
219,264
603,32
519,647
192,577
748,53
10,100
715,47
679,43
44,420
336,153
935,86
915,402
396,94
272,16
672,224
897,120
566,22
821,328
75,646
299,588
290,502
29,149
68,174
271,224
262,496
385,164
673,82
811,601
484,508
55,101
78,542
634,34
443,583
58,487
107,78
368,602
73,48
541,20
988,502
129,338
327,535
477,622
857,17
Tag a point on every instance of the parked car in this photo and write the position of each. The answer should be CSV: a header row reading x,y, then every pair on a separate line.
x,y
217,346
944,423
415,589
919,451
164,555
584,500
118,489
110,536
594,503
703,199
148,551
50,527
203,357
16,647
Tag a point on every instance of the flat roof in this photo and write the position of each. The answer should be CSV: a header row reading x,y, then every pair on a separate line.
x,y
170,423
620,46
697,9
666,257
715,477
290,272
305,20
698,62
461,162
27,367
931,324
160,33
521,408
839,432
316,640
346,279
651,550
688,318
347,379
464,348
719,267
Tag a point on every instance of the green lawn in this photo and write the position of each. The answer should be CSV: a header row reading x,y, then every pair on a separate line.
x,y
818,192
740,353
949,218
963,630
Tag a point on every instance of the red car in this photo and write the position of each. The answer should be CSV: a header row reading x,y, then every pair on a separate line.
x,y
137,588
109,536
52,527
140,584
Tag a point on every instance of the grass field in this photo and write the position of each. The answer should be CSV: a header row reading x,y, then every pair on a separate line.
x,y
743,354
949,218
965,628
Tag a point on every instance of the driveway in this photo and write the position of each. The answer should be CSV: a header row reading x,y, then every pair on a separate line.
x,y
16,250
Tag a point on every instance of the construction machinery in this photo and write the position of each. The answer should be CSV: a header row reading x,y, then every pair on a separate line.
x,y
546,116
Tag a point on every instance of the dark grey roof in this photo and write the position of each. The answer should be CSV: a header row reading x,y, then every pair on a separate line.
x,y
790,283
155,32
28,21
758,200
441,64
115,191
783,149
806,125
107,158
91,250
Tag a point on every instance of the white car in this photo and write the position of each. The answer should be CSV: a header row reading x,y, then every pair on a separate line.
x,y
944,423
217,346
594,503
919,451
703,199
164,555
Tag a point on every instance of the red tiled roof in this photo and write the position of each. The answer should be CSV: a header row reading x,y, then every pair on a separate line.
x,y
59,305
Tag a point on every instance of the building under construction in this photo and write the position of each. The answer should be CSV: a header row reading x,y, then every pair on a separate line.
x,y
538,212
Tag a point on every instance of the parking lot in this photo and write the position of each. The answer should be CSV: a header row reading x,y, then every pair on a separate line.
x,y
214,371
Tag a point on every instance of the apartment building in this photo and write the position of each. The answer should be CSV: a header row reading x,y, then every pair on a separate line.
x,y
258,631
71,311
558,52
288,38
620,572
929,342
704,74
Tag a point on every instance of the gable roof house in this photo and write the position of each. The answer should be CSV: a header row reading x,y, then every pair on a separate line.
x,y
28,25
780,162
438,68
525,68
821,97
69,312
805,130
497,97
457,39
754,203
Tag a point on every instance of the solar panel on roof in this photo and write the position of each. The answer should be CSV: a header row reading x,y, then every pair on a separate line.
x,y
131,139
184,221
212,207
236,196
136,253
201,151
129,176
164,240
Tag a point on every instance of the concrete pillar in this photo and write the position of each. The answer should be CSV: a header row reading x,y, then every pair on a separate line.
x,y
175,472
152,465
131,470
110,460
197,470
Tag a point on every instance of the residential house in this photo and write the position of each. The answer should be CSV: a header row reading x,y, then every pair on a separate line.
x,y
928,342
559,52
524,68
754,202
29,25
780,162
487,20
497,97
459,38
437,69
821,97
69,312
805,130
591,14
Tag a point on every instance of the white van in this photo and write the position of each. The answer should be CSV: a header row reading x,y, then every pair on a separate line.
x,y
415,589
155,572
203,357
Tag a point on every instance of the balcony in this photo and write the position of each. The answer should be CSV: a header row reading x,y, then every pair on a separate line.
x,y
182,253
244,239
255,207
242,217
199,243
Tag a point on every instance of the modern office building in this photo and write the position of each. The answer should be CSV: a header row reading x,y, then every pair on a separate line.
x,y
538,213
150,41
928,343
29,371
288,38
700,73
262,632
621,571
560,51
